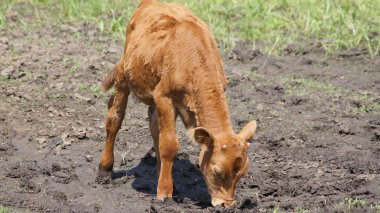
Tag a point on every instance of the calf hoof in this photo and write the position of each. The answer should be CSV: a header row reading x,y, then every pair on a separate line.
x,y
162,198
104,176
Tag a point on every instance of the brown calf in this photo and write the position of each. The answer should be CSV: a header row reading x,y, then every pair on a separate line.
x,y
171,63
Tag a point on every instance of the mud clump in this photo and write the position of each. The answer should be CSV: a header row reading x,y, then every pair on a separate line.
x,y
19,170
29,186
59,196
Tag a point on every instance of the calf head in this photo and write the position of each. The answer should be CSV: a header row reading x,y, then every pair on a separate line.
x,y
223,161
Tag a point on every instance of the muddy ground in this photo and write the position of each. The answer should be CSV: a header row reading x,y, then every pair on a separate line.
x,y
318,138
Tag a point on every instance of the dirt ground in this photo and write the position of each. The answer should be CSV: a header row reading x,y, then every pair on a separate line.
x,y
318,138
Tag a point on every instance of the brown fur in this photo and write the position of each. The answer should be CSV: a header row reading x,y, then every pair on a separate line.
x,y
171,63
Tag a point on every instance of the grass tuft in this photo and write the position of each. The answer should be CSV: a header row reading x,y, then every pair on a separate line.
x,y
4,7
4,209
351,202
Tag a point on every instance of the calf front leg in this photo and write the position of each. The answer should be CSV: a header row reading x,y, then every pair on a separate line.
x,y
168,144
116,112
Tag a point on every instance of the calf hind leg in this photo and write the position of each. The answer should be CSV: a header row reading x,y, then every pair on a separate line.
x,y
155,133
116,112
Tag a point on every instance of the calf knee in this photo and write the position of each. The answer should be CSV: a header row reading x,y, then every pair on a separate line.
x,y
113,120
168,146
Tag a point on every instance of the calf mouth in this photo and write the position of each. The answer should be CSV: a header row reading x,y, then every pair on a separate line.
x,y
225,203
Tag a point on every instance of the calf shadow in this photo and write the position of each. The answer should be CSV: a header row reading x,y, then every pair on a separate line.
x,y
188,180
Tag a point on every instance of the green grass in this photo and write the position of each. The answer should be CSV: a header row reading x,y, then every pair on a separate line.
x,y
4,209
277,210
368,104
3,9
2,17
269,25
349,203
93,89
376,207
307,87
300,210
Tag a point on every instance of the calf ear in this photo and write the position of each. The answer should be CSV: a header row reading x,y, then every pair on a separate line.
x,y
203,136
248,131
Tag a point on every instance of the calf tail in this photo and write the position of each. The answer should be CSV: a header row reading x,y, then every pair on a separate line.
x,y
109,80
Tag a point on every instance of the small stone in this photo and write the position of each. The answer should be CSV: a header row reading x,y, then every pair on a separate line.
x,y
93,67
64,136
51,109
346,130
11,15
126,162
290,48
41,140
89,158
74,29
60,196
66,144
4,40
15,165
19,75
306,61
254,67
154,208
260,107
61,174
56,76
82,98
3,147
81,134
41,146
57,150
319,174
359,147
29,186
59,85
369,177
28,98
8,72
55,141
45,171
112,50
376,135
